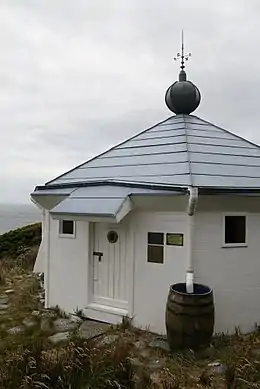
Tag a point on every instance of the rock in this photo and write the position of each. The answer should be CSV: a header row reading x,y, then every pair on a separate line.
x,y
76,319
217,367
46,324
160,344
29,323
59,337
36,313
4,299
42,301
48,313
15,330
90,329
3,307
63,325
9,291
108,339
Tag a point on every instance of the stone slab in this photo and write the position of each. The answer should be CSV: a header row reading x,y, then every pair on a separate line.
x,y
59,337
4,299
63,325
90,329
3,307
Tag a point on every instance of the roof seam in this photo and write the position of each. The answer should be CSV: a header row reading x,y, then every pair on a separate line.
x,y
188,151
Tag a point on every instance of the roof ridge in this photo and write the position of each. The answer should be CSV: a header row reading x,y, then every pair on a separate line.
x,y
108,150
228,132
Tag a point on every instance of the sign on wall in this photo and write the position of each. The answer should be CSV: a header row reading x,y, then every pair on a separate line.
x,y
174,239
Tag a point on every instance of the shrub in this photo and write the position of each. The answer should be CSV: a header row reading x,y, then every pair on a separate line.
x,y
17,242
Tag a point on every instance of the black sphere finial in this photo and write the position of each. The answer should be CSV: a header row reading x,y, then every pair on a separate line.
x,y
182,97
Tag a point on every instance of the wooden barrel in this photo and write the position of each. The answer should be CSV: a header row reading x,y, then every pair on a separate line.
x,y
189,317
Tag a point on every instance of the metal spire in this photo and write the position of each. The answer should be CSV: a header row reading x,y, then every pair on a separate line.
x,y
183,57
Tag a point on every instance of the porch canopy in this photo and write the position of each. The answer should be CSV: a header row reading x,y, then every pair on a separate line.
x,y
112,202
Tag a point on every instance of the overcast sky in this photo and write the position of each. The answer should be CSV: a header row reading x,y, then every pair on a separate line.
x,y
78,76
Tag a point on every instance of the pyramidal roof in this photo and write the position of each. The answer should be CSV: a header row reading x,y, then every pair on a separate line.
x,y
181,151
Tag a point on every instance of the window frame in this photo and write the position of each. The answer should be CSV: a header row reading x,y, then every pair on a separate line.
x,y
156,245
227,245
61,234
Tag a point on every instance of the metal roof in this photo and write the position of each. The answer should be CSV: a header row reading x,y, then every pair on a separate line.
x,y
181,151
102,200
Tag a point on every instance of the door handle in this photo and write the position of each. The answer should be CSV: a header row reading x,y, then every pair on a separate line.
x,y
98,254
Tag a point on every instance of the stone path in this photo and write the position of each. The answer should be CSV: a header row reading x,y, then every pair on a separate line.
x,y
91,328
58,329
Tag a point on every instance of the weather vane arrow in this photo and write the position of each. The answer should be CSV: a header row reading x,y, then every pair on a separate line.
x,y
183,57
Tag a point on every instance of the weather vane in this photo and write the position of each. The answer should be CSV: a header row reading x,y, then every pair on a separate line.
x,y
183,57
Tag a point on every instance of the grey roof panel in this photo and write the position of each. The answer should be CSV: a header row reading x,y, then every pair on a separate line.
x,y
163,133
113,191
160,140
101,200
132,160
128,151
217,169
88,206
224,150
225,159
206,181
175,180
183,150
55,192
131,170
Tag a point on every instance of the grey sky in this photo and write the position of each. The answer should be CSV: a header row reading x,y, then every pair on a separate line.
x,y
78,76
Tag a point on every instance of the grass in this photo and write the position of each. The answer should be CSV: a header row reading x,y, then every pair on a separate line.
x,y
29,361
120,359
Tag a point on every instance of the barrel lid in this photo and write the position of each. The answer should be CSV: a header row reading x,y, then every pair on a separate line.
x,y
199,289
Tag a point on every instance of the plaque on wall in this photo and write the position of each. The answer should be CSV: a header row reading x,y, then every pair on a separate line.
x,y
174,239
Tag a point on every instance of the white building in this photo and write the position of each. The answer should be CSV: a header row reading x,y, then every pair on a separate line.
x,y
180,197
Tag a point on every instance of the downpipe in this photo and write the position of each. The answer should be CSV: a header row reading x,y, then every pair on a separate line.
x,y
192,204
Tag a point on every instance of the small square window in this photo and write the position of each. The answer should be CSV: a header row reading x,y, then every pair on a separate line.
x,y
155,249
155,238
235,230
67,227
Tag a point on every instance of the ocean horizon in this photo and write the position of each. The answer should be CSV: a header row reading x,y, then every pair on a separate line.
x,y
13,216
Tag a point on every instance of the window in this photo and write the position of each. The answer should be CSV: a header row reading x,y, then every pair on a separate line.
x,y
235,230
155,250
67,227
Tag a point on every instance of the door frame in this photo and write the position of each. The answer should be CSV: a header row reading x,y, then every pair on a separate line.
x,y
105,312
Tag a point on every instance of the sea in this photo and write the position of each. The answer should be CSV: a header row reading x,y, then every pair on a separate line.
x,y
13,216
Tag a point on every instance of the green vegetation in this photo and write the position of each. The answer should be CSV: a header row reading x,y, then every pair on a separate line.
x,y
15,242
21,245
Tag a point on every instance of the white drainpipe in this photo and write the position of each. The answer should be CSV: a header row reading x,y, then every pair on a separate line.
x,y
193,200
47,258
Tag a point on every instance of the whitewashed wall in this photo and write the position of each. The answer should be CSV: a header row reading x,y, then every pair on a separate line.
x,y
152,280
69,267
233,273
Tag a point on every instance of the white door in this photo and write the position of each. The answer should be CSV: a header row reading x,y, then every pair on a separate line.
x,y
109,265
